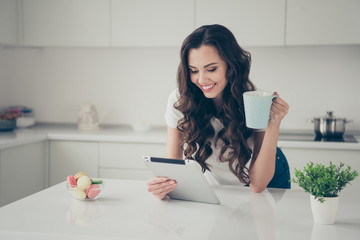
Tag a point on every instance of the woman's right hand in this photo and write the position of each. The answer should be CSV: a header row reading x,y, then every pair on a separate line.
x,y
160,186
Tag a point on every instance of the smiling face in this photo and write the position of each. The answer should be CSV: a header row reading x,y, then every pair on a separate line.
x,y
208,71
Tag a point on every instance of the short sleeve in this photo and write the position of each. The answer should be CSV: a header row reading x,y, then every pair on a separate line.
x,y
172,115
260,130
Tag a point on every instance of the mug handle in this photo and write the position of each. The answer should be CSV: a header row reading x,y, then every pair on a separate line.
x,y
275,95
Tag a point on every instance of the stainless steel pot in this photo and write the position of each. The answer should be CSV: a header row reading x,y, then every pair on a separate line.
x,y
329,126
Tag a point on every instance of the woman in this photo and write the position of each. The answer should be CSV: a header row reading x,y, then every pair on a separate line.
x,y
206,119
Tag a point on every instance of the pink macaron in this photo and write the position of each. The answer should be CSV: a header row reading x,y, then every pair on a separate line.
x,y
71,180
93,191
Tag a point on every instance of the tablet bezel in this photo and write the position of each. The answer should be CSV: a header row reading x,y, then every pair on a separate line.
x,y
192,184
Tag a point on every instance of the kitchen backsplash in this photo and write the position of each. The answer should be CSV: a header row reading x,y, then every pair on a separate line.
x,y
130,84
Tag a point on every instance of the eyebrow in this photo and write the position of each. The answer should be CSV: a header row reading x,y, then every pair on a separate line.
x,y
207,65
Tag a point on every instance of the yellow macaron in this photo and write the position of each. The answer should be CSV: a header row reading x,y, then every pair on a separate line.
x,y
79,193
79,174
83,182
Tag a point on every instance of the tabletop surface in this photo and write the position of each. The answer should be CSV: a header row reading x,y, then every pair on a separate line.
x,y
125,210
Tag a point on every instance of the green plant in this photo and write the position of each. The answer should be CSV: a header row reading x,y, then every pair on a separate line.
x,y
324,181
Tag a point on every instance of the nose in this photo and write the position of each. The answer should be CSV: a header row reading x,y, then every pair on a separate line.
x,y
202,77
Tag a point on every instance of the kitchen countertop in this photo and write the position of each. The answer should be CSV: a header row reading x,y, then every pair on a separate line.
x,y
125,210
124,133
70,132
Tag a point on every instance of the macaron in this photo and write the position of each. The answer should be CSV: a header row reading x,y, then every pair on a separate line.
x,y
78,193
79,174
96,181
83,182
71,181
93,191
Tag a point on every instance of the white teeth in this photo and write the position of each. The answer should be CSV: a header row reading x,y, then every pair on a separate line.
x,y
208,87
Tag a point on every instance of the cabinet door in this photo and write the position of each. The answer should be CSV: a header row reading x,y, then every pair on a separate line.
x,y
66,22
298,158
69,157
254,23
124,160
9,31
151,23
312,22
22,171
129,174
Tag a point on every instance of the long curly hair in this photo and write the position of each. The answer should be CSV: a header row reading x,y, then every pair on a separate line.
x,y
199,110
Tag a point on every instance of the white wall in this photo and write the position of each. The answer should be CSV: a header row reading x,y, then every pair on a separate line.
x,y
313,80
133,83
127,84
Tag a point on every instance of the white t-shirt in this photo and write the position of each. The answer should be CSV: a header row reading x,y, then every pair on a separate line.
x,y
219,170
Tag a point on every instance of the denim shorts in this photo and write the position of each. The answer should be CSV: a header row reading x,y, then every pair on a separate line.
x,y
281,178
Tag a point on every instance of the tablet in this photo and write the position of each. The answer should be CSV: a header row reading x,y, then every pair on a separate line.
x,y
192,184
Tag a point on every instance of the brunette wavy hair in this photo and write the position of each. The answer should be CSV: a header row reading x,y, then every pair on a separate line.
x,y
198,110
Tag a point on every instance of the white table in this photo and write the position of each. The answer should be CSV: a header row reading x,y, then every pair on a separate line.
x,y
125,210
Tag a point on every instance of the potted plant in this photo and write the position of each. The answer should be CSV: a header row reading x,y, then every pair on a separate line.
x,y
324,184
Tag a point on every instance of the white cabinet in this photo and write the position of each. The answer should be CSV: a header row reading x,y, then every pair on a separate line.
x,y
254,23
166,23
22,171
69,157
66,22
151,23
101,159
124,160
299,157
9,22
323,22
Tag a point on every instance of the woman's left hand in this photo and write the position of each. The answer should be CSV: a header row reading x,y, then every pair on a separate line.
x,y
279,109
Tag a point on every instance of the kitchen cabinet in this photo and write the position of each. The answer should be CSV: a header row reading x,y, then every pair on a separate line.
x,y
9,22
254,23
66,23
151,23
69,157
323,22
23,171
166,23
299,157
124,160
118,160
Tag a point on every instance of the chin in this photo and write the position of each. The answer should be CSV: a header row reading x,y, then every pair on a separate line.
x,y
210,96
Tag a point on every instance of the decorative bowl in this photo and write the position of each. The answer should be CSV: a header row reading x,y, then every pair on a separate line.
x,y
91,193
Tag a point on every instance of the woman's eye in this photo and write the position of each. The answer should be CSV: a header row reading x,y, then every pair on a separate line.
x,y
193,71
212,70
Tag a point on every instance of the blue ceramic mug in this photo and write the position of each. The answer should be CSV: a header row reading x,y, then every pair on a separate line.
x,y
257,108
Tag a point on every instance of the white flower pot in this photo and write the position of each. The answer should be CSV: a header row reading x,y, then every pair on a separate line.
x,y
324,213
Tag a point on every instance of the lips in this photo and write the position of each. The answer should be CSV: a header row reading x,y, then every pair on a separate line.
x,y
208,88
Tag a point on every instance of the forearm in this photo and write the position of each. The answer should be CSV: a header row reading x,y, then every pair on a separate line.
x,y
263,168
173,143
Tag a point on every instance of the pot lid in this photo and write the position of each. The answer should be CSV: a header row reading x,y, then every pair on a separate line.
x,y
330,116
